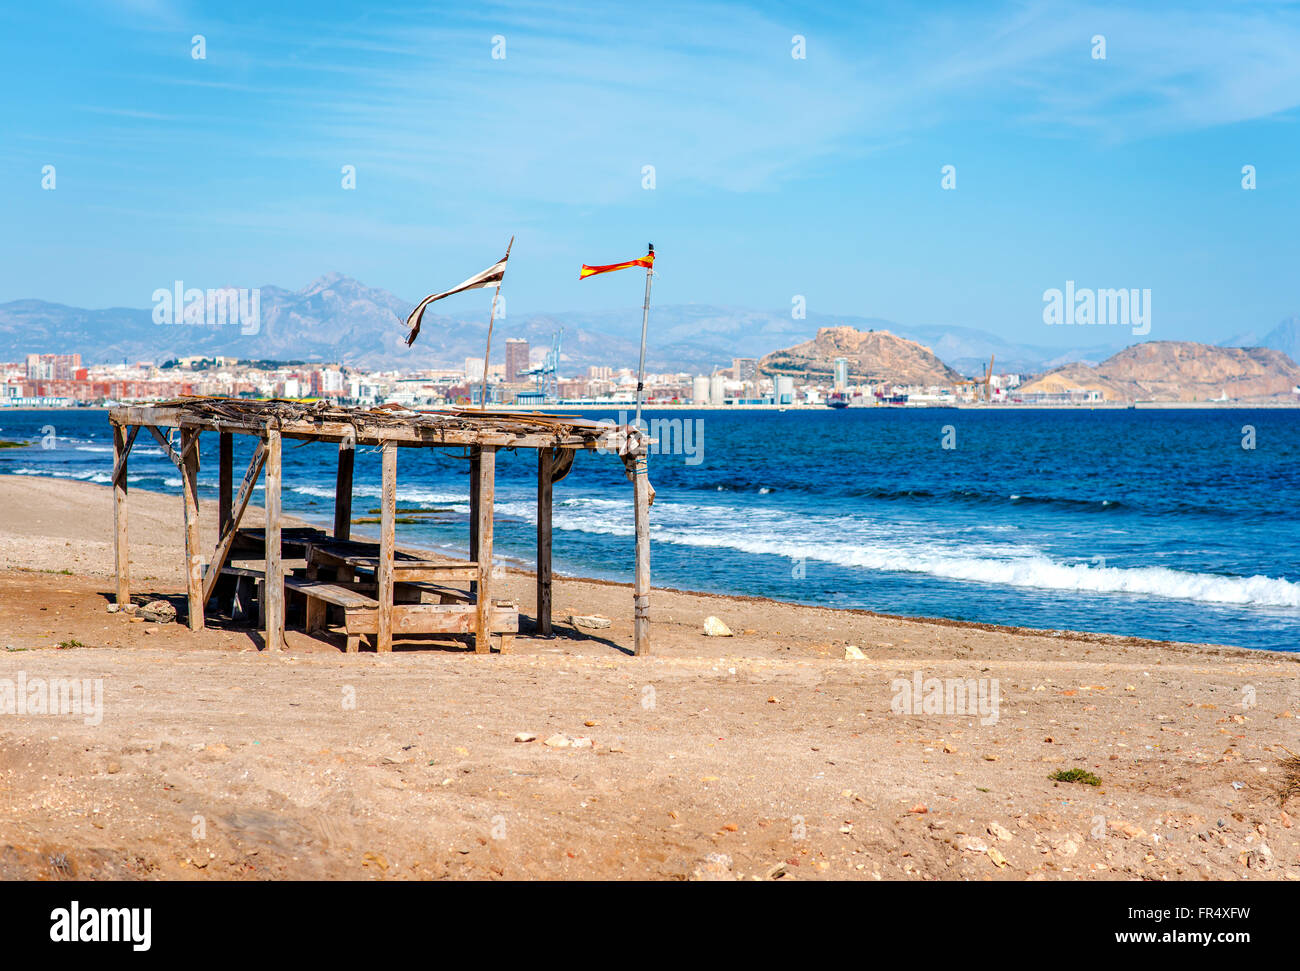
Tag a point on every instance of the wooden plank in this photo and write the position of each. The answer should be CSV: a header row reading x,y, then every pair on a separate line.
x,y
166,446
193,538
121,550
387,540
641,583
404,574
545,481
225,475
475,466
330,592
434,619
120,454
227,538
483,555
585,434
343,491
274,584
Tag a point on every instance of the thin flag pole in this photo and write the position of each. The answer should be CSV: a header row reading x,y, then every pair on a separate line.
x,y
492,314
645,320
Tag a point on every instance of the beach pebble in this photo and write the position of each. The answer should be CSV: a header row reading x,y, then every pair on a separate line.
x,y
972,844
999,831
525,737
158,611
113,608
716,628
851,653
590,621
561,740
716,866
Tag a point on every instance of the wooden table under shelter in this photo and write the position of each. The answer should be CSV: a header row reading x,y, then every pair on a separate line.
x,y
375,589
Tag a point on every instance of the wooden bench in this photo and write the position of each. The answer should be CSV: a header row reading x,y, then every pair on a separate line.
x,y
318,593
361,613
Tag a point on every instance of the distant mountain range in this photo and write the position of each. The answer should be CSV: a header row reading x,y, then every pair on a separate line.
x,y
336,318
1179,371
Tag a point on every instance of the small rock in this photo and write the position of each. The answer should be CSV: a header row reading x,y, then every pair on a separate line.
x,y
1127,830
589,621
716,628
716,866
113,608
525,737
851,653
561,740
1067,849
972,844
114,768
999,831
158,611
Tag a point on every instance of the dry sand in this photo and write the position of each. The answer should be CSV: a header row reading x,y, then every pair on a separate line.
x,y
766,754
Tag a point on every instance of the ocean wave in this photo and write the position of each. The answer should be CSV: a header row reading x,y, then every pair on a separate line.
x,y
1027,571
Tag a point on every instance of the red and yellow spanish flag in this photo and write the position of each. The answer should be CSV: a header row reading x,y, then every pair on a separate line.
x,y
648,261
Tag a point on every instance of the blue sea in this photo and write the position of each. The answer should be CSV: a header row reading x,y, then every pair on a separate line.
x,y
1156,523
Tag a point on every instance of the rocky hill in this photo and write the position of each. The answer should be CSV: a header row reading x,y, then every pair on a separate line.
x,y
1179,371
874,356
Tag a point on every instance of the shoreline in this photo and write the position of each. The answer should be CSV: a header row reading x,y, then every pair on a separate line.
x,y
514,567
1269,405
776,753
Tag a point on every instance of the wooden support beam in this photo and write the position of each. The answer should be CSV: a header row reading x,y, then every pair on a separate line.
x,y
193,538
475,467
343,490
387,542
166,445
121,552
273,588
225,475
120,454
227,537
545,481
641,584
486,495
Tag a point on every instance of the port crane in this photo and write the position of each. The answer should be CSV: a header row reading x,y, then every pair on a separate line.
x,y
547,373
983,388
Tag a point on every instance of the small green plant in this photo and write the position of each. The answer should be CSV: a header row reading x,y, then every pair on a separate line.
x,y
1075,775
65,645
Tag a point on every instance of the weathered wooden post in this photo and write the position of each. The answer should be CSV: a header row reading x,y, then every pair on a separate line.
x,y
475,468
545,471
274,565
387,540
189,469
121,551
225,475
343,490
483,599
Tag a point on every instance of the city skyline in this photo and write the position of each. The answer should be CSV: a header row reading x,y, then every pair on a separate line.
x,y
229,169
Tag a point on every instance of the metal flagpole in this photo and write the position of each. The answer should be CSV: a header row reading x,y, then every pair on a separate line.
x,y
645,320
482,403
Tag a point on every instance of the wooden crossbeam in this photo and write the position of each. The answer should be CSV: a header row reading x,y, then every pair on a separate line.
x,y
166,445
119,466
237,513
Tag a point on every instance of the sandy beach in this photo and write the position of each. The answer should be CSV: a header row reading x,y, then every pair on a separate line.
x,y
767,754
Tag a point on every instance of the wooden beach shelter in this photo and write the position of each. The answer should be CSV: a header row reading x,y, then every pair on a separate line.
x,y
376,588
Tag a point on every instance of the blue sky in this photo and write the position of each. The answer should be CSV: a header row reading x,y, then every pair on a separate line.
x,y
775,176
